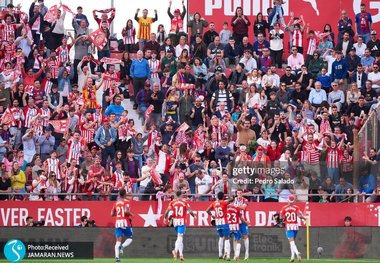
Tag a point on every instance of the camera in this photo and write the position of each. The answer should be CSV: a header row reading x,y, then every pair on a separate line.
x,y
38,223
279,220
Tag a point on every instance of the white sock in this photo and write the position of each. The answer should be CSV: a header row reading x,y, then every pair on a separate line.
x,y
292,253
180,245
246,246
176,246
117,245
227,247
294,247
221,240
127,243
237,250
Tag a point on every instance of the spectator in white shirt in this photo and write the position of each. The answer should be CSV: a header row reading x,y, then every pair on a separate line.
x,y
374,76
203,184
248,61
360,47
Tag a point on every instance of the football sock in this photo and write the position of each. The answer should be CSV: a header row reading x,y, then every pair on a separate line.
x,y
221,240
237,250
127,243
117,247
180,245
294,247
227,247
246,246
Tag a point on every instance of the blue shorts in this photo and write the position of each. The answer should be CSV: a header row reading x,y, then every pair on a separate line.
x,y
243,229
291,233
127,232
180,229
223,230
236,234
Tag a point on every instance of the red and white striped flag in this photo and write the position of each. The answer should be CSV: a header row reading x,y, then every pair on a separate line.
x,y
184,126
183,86
110,60
297,21
148,112
67,9
199,140
7,118
60,126
156,177
98,37
51,14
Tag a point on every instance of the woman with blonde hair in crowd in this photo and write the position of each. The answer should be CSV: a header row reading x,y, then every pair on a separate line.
x,y
254,77
53,187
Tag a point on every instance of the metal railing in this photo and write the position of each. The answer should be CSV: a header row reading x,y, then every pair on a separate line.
x,y
369,134
193,197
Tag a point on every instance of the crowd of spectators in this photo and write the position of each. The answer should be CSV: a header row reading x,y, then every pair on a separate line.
x,y
210,103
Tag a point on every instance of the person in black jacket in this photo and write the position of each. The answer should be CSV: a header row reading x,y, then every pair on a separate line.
x,y
352,61
35,14
156,98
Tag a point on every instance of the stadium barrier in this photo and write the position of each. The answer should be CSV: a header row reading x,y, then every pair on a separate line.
x,y
337,242
150,214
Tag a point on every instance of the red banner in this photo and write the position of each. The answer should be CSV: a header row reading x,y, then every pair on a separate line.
x,y
68,213
99,39
316,12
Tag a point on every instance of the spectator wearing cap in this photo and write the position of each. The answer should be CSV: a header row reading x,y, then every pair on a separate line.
x,y
176,23
105,137
169,62
261,158
213,48
46,143
217,63
374,43
78,17
352,61
140,72
231,52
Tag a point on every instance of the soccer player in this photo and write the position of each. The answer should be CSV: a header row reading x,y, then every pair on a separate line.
x,y
290,213
242,202
235,220
121,209
220,216
179,207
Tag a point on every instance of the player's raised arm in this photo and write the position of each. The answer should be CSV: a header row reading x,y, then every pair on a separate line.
x,y
167,212
208,210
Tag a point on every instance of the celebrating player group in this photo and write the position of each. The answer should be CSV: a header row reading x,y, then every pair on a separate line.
x,y
228,215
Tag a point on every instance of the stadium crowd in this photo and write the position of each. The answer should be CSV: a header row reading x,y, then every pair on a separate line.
x,y
210,103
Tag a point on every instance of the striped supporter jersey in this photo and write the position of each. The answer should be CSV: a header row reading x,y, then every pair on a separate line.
x,y
120,208
290,214
233,218
220,212
179,208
